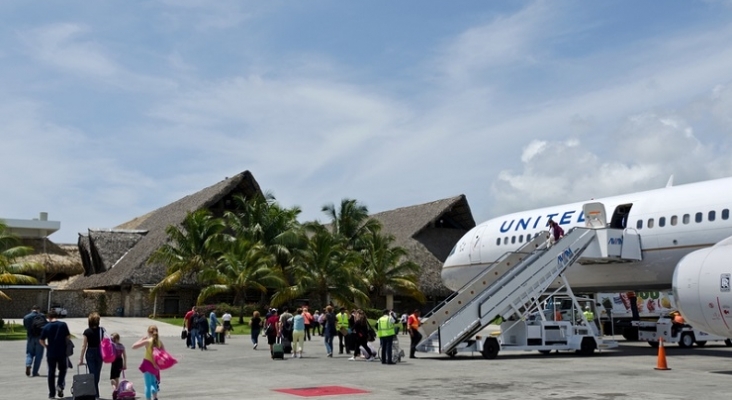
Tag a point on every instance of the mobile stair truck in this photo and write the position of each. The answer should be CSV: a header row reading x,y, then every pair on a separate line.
x,y
513,287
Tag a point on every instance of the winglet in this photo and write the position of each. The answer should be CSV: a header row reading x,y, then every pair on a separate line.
x,y
670,181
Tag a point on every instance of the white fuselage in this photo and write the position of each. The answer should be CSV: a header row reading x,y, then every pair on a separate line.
x,y
671,222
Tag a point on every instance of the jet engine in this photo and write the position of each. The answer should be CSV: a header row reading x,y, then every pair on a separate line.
x,y
701,286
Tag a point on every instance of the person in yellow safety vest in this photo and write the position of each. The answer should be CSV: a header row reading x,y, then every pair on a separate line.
x,y
385,332
342,329
589,315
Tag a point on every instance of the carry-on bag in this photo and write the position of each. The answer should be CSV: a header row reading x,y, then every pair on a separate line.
x,y
125,390
278,352
82,386
286,345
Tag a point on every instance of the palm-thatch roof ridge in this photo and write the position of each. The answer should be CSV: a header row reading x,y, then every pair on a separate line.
x,y
108,246
132,269
428,232
60,260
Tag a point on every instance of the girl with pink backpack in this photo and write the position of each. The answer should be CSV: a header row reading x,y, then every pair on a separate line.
x,y
118,366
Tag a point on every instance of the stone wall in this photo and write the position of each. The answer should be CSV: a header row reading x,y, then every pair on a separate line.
x,y
22,302
133,302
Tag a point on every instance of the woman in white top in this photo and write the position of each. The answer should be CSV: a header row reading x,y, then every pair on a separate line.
x,y
227,324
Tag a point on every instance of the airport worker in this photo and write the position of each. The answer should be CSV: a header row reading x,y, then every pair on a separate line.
x,y
677,323
342,330
385,332
589,315
413,324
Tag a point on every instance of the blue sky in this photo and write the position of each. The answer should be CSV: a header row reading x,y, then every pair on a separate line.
x,y
113,109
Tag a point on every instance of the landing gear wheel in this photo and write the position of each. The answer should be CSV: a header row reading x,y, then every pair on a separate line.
x,y
587,347
686,340
728,342
545,352
701,343
490,348
653,344
452,353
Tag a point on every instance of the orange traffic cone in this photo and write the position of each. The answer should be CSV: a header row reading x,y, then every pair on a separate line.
x,y
661,364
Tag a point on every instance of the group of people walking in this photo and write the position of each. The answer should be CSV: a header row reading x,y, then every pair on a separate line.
x,y
202,331
353,330
49,333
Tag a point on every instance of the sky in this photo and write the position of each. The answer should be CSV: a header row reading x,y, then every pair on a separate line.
x,y
109,110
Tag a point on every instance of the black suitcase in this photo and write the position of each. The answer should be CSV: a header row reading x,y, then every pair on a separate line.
x,y
208,339
221,337
82,386
286,346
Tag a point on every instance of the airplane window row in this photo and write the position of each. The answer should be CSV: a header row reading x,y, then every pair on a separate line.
x,y
515,239
685,219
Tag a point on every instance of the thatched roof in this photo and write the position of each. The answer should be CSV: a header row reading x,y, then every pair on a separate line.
x,y
132,268
428,232
61,261
107,247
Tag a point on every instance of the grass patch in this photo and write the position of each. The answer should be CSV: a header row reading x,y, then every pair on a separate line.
x,y
13,332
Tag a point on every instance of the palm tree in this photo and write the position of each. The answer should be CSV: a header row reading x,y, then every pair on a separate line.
x,y
244,266
351,221
262,219
13,272
192,248
325,267
385,267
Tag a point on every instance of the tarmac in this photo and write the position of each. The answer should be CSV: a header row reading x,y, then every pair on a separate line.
x,y
235,371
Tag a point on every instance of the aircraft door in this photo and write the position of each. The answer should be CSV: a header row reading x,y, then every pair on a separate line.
x,y
476,244
595,216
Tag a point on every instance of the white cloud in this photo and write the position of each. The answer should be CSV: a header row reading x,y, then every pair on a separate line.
x,y
57,45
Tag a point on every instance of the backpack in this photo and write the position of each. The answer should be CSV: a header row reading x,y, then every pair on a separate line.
x,y
125,390
39,321
287,325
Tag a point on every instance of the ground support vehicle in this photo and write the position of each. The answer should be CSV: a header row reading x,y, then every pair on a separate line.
x,y
685,335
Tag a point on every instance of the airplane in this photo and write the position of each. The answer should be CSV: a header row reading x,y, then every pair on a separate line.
x,y
672,222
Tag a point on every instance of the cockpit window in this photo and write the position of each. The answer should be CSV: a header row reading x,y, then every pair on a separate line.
x,y
453,250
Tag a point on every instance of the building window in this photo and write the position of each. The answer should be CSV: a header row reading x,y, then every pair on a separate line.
x,y
662,222
698,217
725,214
650,223
712,215
686,219
674,220
639,224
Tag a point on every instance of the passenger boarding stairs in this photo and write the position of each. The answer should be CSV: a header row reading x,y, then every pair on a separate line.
x,y
507,287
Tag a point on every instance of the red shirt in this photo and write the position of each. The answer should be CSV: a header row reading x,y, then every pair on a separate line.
x,y
188,318
273,320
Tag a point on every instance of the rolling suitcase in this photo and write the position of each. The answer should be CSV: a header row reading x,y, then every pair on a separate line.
x,y
126,390
82,387
286,345
278,352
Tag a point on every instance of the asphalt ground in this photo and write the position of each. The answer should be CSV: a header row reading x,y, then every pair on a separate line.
x,y
235,371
